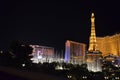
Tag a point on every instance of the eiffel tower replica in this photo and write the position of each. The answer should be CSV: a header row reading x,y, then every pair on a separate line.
x,y
93,55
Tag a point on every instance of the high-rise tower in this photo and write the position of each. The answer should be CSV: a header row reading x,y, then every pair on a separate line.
x,y
92,43
93,55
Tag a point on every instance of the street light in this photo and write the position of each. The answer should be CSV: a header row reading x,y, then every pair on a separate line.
x,y
106,77
84,77
117,78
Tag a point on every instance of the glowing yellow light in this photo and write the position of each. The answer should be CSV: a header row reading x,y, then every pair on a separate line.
x,y
92,14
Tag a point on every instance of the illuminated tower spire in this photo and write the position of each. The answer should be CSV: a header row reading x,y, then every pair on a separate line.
x,y
93,55
92,43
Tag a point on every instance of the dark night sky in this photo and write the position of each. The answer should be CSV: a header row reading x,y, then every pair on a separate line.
x,y
48,22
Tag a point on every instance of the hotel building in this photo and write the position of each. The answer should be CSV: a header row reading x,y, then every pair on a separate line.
x,y
75,52
42,53
109,45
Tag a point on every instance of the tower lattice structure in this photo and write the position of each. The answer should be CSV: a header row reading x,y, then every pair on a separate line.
x,y
92,43
93,55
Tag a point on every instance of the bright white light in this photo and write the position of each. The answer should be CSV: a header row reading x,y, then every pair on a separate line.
x,y
84,77
23,65
39,57
58,68
117,78
69,76
34,60
106,77
117,65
